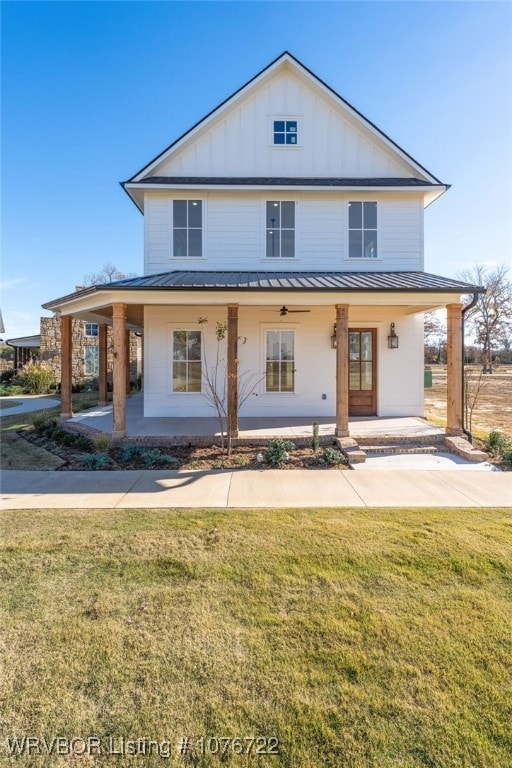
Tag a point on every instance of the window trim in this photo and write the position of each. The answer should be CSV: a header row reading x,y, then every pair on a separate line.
x,y
291,328
91,335
187,259
189,328
362,258
280,259
295,118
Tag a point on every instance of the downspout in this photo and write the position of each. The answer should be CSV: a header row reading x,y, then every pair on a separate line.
x,y
463,388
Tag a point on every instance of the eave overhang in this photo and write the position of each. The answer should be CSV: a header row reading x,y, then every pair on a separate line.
x,y
256,288
430,192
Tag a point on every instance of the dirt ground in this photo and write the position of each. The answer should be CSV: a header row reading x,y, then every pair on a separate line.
x,y
186,457
493,407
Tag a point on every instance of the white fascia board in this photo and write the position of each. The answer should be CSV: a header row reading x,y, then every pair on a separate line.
x,y
296,187
430,193
101,299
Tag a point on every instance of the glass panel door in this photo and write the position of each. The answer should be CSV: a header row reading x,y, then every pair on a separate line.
x,y
362,390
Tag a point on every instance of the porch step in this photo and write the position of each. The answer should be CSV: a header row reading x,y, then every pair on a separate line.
x,y
404,448
387,441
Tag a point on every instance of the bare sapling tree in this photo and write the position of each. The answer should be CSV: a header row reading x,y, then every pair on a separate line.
x,y
491,317
474,386
215,376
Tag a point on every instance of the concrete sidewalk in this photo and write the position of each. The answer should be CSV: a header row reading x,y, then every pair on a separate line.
x,y
28,404
251,488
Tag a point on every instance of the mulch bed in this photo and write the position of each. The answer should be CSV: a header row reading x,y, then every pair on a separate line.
x,y
189,457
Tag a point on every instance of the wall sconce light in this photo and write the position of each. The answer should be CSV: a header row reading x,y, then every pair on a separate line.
x,y
334,340
392,338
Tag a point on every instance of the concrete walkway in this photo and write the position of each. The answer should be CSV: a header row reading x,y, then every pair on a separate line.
x,y
29,403
249,488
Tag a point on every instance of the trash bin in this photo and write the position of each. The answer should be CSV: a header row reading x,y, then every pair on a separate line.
x,y
427,377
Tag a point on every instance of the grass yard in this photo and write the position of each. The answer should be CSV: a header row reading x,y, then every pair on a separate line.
x,y
358,638
16,453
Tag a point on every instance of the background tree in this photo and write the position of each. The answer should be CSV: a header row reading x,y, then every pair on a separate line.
x,y
108,274
491,318
435,338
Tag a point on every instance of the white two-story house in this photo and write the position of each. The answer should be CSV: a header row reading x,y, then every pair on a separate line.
x,y
288,215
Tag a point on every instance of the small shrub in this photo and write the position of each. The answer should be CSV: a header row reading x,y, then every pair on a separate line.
x,y
36,378
153,458
129,453
496,442
315,442
277,451
44,421
83,443
331,457
7,376
96,460
8,390
507,456
240,461
101,444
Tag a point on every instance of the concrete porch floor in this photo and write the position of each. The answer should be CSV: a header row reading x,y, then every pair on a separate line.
x,y
251,428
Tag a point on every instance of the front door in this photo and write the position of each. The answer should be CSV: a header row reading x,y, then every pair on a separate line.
x,y
362,384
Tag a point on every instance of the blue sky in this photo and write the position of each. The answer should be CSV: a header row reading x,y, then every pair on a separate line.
x,y
91,91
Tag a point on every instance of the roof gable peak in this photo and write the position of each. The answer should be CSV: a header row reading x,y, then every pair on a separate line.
x,y
286,60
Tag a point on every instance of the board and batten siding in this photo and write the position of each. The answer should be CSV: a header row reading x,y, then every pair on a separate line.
x,y
399,371
332,142
234,232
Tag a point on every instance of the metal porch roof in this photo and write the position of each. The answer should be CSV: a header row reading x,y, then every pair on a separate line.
x,y
242,281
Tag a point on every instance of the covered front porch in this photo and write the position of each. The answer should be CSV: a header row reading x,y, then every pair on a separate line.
x,y
320,311
250,429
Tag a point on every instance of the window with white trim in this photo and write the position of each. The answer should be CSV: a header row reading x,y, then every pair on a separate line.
x,y
280,229
187,226
91,329
362,230
280,361
285,133
186,361
91,360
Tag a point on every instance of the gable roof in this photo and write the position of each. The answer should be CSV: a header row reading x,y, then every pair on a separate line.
x,y
280,61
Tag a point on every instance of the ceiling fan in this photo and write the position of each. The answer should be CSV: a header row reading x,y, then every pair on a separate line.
x,y
285,311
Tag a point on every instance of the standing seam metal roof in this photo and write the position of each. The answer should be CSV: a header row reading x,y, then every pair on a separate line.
x,y
312,281
196,280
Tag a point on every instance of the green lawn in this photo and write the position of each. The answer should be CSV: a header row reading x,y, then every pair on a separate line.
x,y
16,453
358,638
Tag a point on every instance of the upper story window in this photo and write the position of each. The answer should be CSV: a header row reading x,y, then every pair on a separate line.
x,y
280,228
186,361
362,230
285,132
91,329
187,223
